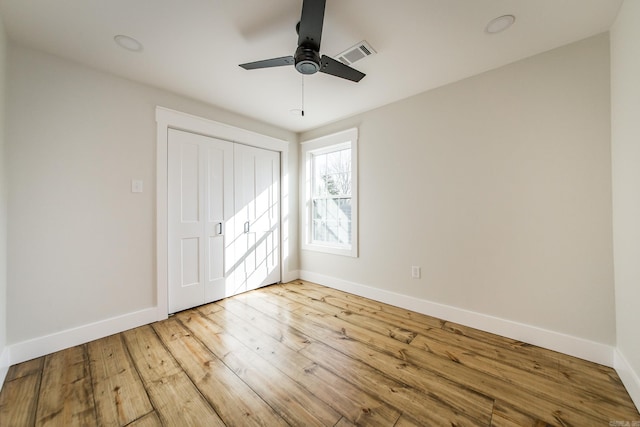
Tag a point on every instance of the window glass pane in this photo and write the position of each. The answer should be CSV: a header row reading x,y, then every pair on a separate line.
x,y
329,185
332,210
318,186
318,231
333,214
319,167
334,165
332,173
342,183
320,163
332,220
319,209
346,159
344,221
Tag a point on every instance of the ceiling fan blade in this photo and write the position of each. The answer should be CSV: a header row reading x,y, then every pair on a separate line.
x,y
266,63
329,65
310,26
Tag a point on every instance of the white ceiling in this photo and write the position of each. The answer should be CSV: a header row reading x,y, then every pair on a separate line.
x,y
193,47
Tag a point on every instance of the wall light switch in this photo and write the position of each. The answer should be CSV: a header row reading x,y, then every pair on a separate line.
x,y
136,186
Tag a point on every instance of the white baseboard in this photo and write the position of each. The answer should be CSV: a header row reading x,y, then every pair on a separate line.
x,y
290,276
567,344
36,347
4,364
629,377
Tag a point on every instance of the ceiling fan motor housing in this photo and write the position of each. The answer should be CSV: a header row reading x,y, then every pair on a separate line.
x,y
307,60
307,57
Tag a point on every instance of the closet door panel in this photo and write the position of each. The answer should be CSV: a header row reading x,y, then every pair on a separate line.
x,y
218,170
200,207
186,245
257,179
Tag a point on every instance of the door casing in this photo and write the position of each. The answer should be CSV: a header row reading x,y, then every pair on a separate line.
x,y
171,119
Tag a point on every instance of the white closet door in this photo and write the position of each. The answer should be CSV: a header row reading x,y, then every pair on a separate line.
x,y
200,212
257,226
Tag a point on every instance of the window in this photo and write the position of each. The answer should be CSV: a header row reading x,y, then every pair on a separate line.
x,y
331,193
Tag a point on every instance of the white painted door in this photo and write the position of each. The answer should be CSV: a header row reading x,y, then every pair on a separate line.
x,y
257,217
200,213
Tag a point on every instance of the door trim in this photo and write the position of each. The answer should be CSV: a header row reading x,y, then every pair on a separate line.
x,y
171,119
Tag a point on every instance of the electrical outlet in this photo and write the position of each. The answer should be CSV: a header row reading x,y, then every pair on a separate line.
x,y
136,186
415,272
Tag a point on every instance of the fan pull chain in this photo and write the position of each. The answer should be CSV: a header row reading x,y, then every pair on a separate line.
x,y
302,95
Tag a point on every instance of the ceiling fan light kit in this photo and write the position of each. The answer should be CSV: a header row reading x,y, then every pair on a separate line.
x,y
307,59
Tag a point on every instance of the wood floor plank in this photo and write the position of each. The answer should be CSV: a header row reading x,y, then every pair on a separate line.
x,y
433,405
592,376
174,397
408,357
236,402
33,366
588,404
289,399
501,342
445,399
149,420
523,361
153,362
66,394
607,404
283,332
352,403
358,304
505,415
569,390
408,320
303,354
344,423
395,392
578,394
119,394
18,401
209,308
548,363
374,324
406,421
263,294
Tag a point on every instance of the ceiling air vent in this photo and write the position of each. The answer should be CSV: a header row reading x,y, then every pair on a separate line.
x,y
355,53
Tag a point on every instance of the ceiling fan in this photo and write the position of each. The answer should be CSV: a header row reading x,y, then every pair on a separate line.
x,y
307,59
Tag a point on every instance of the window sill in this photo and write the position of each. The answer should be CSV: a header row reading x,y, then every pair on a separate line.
x,y
334,250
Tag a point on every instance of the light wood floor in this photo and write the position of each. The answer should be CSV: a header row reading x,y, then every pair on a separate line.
x,y
303,354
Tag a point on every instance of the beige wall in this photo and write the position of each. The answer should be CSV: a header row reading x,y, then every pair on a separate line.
x,y
81,245
499,187
3,196
625,127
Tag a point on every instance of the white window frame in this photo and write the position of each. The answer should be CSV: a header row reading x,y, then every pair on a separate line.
x,y
329,143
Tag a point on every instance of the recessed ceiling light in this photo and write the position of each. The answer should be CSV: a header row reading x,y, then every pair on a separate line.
x,y
500,24
128,43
